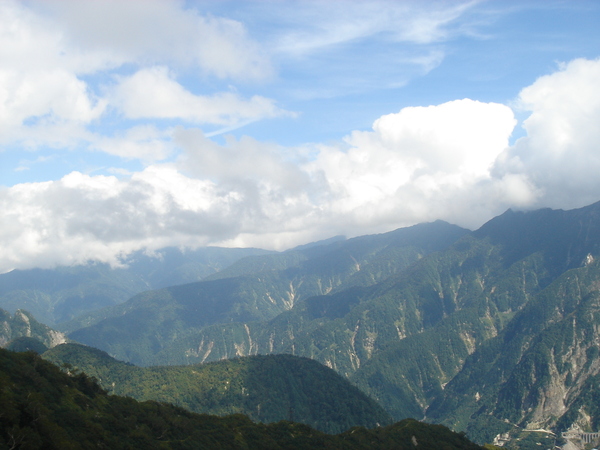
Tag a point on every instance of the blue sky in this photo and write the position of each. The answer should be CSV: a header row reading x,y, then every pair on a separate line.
x,y
144,124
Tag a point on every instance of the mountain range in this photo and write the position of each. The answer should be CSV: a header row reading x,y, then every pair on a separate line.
x,y
491,331
252,290
58,295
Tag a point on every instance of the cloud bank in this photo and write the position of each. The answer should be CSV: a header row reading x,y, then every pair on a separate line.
x,y
151,83
450,161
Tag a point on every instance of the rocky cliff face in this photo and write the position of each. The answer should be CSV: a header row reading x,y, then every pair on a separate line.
x,y
541,371
23,324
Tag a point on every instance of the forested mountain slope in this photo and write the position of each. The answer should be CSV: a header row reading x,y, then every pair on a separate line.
x,y
43,407
497,325
265,388
259,289
541,371
400,339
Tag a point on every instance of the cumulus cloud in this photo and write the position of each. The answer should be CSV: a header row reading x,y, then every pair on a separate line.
x,y
451,161
414,163
36,86
60,61
559,158
48,96
81,218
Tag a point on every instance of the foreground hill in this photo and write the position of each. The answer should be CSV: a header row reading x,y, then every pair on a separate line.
x,y
265,388
58,295
256,289
43,407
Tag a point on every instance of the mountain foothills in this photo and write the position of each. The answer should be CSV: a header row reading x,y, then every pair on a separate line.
x,y
265,388
43,407
489,332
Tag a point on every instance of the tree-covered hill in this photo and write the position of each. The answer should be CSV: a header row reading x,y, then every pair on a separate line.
x,y
44,408
265,388
256,289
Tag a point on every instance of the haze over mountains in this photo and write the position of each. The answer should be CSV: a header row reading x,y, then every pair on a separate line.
x,y
487,331
58,295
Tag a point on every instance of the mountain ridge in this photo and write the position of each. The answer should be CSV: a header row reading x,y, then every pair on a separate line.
x,y
260,294
58,295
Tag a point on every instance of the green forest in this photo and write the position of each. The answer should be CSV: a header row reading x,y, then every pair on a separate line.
x,y
42,407
265,388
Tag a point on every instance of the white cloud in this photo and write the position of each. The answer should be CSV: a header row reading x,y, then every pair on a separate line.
x,y
149,32
48,96
59,58
80,218
318,25
69,65
348,47
238,161
143,142
251,193
560,156
414,162
154,93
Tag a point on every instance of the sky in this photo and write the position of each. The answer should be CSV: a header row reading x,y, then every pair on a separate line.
x,y
139,125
